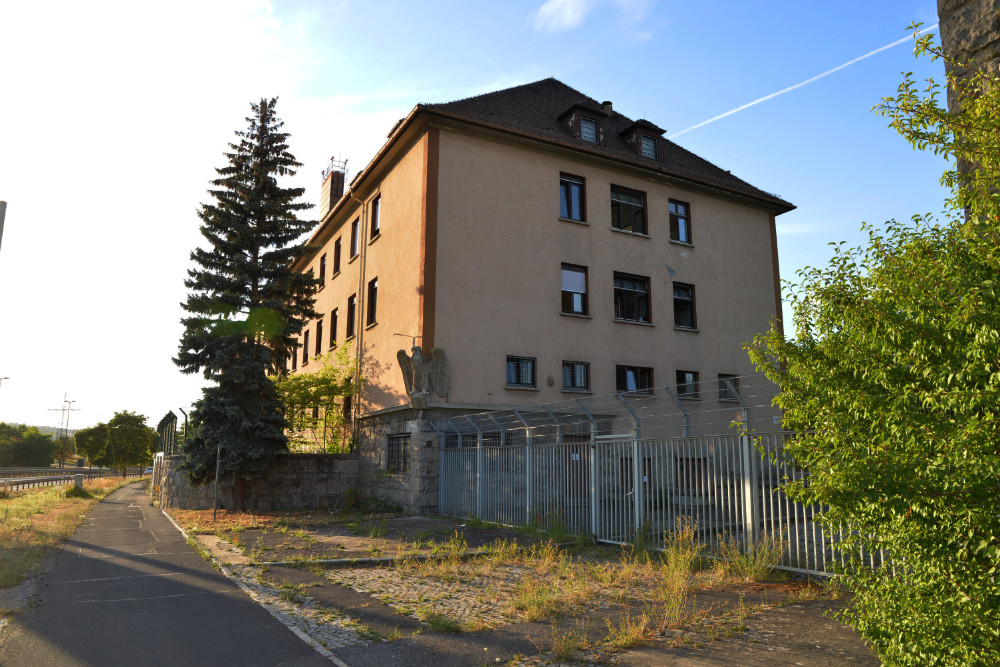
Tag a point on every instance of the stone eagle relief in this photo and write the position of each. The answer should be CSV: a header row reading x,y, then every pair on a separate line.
x,y
424,375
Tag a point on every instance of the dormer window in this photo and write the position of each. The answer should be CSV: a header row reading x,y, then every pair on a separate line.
x,y
648,146
588,130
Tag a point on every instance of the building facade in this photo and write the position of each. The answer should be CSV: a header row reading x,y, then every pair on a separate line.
x,y
537,246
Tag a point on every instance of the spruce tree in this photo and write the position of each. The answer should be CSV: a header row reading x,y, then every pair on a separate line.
x,y
246,306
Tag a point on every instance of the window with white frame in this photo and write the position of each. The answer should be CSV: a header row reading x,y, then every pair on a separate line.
x,y
521,371
574,289
354,238
576,375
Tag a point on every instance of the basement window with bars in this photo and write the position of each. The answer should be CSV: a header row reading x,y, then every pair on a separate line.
x,y
397,453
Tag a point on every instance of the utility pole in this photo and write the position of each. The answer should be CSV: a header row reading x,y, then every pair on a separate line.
x,y
63,430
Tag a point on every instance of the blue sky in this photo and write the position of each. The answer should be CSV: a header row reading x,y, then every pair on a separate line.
x,y
115,114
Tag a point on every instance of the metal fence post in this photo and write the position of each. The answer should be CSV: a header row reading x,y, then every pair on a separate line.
x,y
595,518
751,486
637,467
529,467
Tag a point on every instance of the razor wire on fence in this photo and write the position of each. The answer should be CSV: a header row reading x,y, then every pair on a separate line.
x,y
630,467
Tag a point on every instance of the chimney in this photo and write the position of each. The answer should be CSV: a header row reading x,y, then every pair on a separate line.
x,y
607,107
333,186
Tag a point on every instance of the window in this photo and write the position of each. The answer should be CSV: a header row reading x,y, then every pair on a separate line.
x,y
347,408
634,378
354,238
687,384
319,338
631,298
628,210
588,130
333,329
336,257
295,358
729,387
315,412
351,303
576,375
372,301
648,146
322,270
574,289
680,221
397,453
571,197
305,349
520,371
376,215
684,306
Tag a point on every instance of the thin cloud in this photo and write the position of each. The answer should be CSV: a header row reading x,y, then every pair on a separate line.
x,y
562,15
803,83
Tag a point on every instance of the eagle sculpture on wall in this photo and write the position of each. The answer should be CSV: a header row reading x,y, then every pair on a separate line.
x,y
424,375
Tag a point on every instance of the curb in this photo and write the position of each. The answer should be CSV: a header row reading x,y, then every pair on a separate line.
x,y
322,650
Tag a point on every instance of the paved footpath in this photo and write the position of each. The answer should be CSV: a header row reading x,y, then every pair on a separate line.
x,y
128,590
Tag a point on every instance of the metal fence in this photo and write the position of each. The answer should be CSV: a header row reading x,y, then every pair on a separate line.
x,y
627,468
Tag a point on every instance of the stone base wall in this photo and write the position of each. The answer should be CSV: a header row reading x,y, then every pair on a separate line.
x,y
415,490
292,482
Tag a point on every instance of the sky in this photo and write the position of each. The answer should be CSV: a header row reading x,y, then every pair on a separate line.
x,y
114,116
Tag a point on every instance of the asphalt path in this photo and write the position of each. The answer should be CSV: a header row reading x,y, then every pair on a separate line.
x,y
127,589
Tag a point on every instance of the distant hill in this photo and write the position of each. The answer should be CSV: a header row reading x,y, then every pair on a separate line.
x,y
52,430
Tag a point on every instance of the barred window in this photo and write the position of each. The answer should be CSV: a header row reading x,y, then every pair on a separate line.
x,y
687,384
520,371
588,130
576,375
648,146
397,453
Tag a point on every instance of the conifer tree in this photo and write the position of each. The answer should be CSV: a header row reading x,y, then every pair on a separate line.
x,y
246,306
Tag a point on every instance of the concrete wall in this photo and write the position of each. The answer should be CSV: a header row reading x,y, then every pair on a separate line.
x,y
293,482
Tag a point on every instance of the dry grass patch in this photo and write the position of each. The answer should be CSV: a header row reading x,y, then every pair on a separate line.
x,y
34,522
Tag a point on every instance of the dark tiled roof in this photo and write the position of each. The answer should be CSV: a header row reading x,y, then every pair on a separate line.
x,y
535,109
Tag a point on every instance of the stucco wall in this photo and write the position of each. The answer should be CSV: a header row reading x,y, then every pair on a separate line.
x,y
500,248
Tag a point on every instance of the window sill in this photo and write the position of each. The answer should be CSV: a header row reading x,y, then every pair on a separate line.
x,y
348,339
638,393
688,329
580,315
683,243
571,390
374,238
519,387
335,274
575,222
371,326
682,397
636,322
625,231
351,260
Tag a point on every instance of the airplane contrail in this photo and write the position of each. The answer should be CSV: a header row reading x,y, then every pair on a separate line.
x,y
803,83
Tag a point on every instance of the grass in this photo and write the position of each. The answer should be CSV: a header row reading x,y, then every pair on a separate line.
x,y
34,522
749,561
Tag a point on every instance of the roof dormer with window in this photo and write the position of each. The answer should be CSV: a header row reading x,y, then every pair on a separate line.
x,y
584,121
644,138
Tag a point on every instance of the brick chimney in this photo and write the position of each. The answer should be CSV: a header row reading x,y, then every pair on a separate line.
x,y
333,186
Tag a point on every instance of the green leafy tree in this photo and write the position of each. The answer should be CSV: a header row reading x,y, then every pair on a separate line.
x,y
892,382
130,441
65,448
22,445
91,443
246,306
314,403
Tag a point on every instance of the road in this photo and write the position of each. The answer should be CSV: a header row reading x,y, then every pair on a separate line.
x,y
128,590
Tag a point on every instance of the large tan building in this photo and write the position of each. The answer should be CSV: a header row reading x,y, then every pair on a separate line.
x,y
550,247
